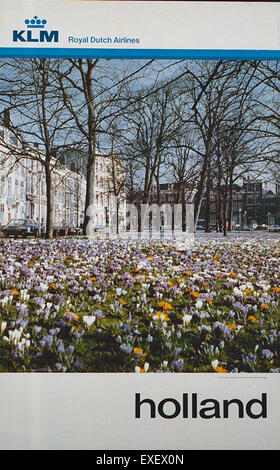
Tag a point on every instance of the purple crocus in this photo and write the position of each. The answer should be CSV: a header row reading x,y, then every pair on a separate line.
x,y
267,354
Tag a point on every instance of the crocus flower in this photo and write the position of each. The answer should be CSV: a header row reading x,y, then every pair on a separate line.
x,y
89,320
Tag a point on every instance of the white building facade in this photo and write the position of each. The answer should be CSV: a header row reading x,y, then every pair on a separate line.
x,y
23,188
109,193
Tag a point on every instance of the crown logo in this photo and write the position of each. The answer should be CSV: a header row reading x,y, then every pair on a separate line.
x,y
35,23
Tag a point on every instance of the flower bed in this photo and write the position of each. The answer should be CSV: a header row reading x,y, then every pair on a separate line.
x,y
111,306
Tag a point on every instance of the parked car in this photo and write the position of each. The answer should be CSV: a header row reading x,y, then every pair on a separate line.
x,y
20,228
66,228
243,228
274,228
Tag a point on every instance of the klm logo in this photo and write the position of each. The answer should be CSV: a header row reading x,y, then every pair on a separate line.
x,y
35,32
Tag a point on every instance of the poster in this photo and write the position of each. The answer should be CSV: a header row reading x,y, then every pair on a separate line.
x,y
139,210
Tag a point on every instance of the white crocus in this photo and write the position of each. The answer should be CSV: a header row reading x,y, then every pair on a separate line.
x,y
14,336
237,292
44,287
24,294
215,363
3,326
89,320
146,366
6,300
186,319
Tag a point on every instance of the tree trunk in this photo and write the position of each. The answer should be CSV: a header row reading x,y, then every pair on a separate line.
x,y
230,203
219,212
88,224
142,209
118,209
49,194
208,202
183,199
225,211
200,190
219,196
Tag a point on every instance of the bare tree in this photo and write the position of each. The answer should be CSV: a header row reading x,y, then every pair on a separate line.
x,y
151,125
93,95
204,91
39,122
183,166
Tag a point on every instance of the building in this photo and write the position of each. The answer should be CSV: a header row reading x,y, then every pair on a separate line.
x,y
109,193
170,193
261,202
252,203
253,198
109,187
23,186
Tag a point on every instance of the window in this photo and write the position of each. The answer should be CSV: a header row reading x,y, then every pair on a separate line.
x,y
16,188
9,185
28,184
32,184
67,200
